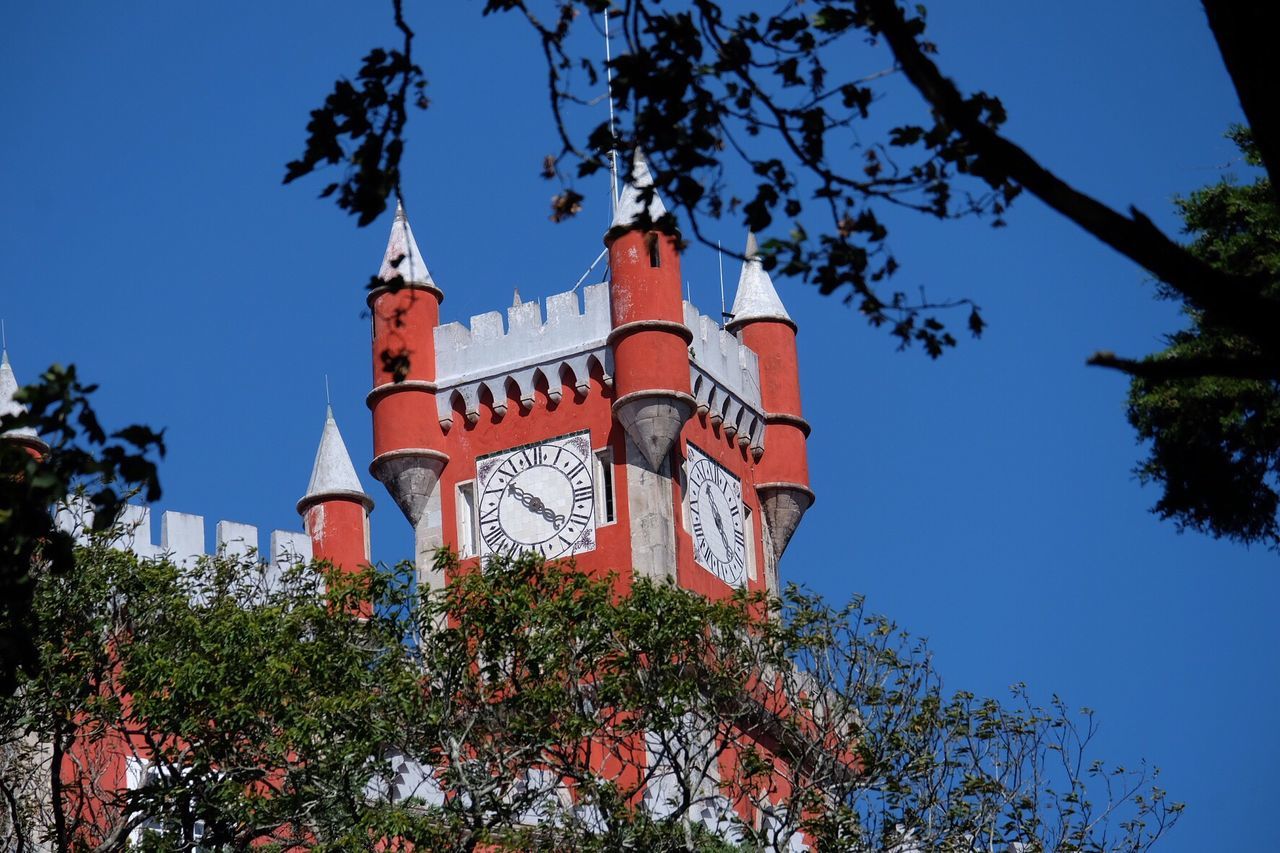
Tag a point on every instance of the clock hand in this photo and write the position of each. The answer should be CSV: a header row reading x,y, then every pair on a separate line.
x,y
534,504
715,516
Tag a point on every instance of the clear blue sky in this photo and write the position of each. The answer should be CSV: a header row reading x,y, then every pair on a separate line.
x,y
984,500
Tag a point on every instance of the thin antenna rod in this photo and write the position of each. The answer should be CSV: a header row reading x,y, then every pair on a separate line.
x,y
589,269
4,339
613,152
720,258
327,402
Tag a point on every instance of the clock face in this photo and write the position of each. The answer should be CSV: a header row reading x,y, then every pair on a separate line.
x,y
539,497
715,518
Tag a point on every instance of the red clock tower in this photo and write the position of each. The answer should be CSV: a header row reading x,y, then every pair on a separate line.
x,y
615,424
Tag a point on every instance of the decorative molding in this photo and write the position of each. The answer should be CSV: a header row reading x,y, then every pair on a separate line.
x,y
789,420
680,330
725,377
336,495
420,385
408,285
486,359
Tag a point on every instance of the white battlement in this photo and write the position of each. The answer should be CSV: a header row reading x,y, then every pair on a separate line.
x,y
182,536
724,375
723,357
487,348
488,356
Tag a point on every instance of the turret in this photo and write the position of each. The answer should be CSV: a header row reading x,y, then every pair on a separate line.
x,y
406,428
650,340
24,437
335,510
760,321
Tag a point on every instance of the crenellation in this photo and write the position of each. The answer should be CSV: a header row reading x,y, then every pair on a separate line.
x,y
135,531
723,357
524,320
486,358
725,377
289,546
487,327
236,540
182,535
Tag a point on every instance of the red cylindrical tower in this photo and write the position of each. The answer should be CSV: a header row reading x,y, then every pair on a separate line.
x,y
335,510
761,322
407,436
650,340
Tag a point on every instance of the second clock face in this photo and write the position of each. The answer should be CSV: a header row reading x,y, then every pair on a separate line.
x,y
539,497
715,518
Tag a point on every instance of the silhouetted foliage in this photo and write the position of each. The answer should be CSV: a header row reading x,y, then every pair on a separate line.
x,y
698,83
73,452
361,126
1215,440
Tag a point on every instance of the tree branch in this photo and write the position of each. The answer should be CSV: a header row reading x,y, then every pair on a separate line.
x,y
1245,33
1234,300
1264,369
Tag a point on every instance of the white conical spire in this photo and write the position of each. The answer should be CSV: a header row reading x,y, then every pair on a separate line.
x,y
333,473
629,206
756,298
8,405
412,268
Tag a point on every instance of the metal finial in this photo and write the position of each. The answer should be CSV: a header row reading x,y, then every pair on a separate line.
x,y
328,404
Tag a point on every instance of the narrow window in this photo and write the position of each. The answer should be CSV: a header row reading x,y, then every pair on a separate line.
x,y
604,487
749,528
468,545
655,253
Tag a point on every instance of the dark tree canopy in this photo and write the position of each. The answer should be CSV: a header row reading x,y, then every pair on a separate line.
x,y
1215,440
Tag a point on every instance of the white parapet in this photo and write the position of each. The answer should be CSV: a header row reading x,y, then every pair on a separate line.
x,y
487,357
182,536
235,539
724,374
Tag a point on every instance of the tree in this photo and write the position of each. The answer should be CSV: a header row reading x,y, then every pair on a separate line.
x,y
698,86
1215,440
51,444
525,706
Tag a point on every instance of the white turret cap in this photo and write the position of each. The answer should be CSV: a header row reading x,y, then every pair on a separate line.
x,y
333,475
629,204
10,406
412,268
757,299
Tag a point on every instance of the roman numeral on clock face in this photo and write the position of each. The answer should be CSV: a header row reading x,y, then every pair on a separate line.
x,y
715,517
539,497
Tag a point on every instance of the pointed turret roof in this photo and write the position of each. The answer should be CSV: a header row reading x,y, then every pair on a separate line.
x,y
402,245
10,406
757,299
629,203
333,475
